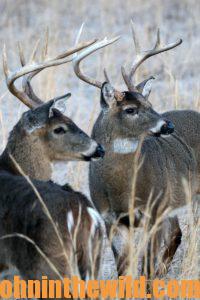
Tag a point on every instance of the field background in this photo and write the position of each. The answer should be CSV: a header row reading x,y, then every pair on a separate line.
x,y
177,82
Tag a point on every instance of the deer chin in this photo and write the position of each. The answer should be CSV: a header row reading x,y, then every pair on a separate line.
x,y
156,130
162,129
97,153
158,134
153,134
90,158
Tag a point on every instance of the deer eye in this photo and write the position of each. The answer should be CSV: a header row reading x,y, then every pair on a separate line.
x,y
131,111
59,130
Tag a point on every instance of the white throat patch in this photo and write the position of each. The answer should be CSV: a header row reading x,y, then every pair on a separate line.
x,y
125,146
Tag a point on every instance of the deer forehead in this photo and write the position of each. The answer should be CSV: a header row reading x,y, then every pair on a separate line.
x,y
62,120
135,103
129,106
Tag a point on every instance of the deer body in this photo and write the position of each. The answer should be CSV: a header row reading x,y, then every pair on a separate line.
x,y
111,180
22,212
168,159
46,229
24,215
168,174
187,124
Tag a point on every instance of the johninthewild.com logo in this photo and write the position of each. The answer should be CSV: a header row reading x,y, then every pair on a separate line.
x,y
123,287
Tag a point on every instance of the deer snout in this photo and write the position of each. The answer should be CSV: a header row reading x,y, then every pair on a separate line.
x,y
99,153
163,127
167,128
96,151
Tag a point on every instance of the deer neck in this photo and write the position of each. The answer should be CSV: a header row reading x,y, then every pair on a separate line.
x,y
124,145
29,153
105,133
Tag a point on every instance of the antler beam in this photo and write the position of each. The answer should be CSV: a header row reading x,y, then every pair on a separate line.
x,y
29,70
142,56
79,57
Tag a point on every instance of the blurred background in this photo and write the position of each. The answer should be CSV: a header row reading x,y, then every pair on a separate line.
x,y
177,82
177,71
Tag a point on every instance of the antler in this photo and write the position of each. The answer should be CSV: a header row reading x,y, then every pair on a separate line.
x,y
79,57
29,70
142,56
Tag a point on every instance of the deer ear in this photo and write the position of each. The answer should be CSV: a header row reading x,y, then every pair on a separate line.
x,y
31,122
145,87
59,104
107,95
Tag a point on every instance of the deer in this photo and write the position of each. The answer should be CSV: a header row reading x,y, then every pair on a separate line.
x,y
45,227
165,148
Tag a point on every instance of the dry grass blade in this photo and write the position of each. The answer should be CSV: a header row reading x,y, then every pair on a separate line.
x,y
43,255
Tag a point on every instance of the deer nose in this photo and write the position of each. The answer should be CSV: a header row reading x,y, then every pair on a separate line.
x,y
167,128
99,153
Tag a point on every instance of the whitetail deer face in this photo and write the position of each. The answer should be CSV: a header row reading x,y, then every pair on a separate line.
x,y
61,137
132,115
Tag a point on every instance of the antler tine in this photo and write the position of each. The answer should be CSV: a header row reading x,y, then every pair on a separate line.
x,y
27,88
5,62
106,75
156,50
21,54
27,96
60,59
79,57
135,39
27,79
21,95
34,52
157,44
46,44
141,57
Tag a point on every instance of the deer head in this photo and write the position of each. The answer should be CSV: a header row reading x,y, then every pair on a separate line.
x,y
44,131
59,136
128,114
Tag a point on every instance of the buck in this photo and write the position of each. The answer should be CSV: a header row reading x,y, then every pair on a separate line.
x,y
167,155
46,229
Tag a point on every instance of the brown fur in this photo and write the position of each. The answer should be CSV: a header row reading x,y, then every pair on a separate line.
x,y
34,145
165,160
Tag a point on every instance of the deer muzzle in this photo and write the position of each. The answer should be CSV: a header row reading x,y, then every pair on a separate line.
x,y
167,128
98,153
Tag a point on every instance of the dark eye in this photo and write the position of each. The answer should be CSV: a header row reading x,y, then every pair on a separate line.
x,y
59,130
131,110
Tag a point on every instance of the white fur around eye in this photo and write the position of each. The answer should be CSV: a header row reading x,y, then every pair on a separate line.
x,y
132,116
135,116
125,146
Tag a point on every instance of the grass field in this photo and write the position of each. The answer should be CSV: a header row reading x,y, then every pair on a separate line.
x,y
177,82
